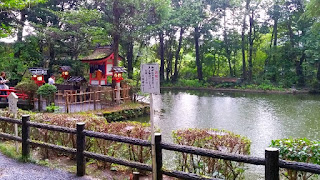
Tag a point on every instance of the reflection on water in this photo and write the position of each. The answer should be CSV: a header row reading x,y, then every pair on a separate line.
x,y
260,117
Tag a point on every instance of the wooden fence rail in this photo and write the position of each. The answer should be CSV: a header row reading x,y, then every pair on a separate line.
x,y
80,100
271,161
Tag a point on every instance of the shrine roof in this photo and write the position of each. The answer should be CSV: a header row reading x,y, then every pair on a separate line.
x,y
65,68
117,69
99,53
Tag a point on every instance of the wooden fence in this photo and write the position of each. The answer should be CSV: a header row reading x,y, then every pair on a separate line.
x,y
75,100
271,161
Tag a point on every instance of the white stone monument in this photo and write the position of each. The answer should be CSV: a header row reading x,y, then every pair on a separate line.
x,y
13,108
13,103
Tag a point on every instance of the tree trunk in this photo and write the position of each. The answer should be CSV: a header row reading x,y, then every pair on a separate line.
x,y
243,44
161,56
130,59
20,31
169,58
175,75
116,36
226,43
196,44
318,73
299,70
21,25
250,47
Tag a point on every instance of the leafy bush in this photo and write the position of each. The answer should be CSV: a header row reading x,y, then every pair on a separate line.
x,y
301,150
93,123
28,87
212,139
52,108
126,114
47,91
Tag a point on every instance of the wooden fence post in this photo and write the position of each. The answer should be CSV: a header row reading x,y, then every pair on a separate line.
x,y
135,175
81,163
94,100
39,103
158,158
67,103
25,137
272,164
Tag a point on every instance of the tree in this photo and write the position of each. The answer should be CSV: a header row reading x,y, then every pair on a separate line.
x,y
7,15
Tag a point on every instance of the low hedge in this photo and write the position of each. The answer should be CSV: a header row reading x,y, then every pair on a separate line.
x,y
212,139
93,123
300,150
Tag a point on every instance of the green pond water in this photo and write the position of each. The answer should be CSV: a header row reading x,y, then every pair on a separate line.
x,y
260,117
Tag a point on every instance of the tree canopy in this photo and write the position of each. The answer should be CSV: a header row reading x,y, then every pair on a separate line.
x,y
261,41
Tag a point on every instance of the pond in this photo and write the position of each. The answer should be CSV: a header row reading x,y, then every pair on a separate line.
x,y
260,117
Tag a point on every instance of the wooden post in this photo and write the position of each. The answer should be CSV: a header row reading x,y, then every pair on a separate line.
x,y
94,100
272,164
136,176
81,162
67,103
158,157
39,103
25,137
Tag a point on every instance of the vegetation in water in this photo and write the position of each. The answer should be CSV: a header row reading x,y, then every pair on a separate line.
x,y
213,139
300,150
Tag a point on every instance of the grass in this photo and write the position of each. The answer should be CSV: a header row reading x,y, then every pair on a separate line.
x,y
8,149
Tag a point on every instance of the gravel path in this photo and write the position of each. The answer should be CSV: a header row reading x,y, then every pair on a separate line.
x,y
11,169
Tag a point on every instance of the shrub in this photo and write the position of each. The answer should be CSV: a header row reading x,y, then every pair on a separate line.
x,y
212,139
28,87
52,108
93,123
301,150
47,91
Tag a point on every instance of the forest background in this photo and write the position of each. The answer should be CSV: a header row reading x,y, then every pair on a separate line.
x,y
273,42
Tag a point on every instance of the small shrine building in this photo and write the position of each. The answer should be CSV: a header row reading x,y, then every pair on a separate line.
x,y
101,62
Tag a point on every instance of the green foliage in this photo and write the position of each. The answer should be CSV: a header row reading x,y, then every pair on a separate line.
x,y
93,123
9,150
47,91
265,85
212,139
9,6
28,87
52,108
187,83
301,150
126,114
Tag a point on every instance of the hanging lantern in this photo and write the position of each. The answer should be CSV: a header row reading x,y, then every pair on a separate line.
x,y
65,72
117,76
65,75
38,75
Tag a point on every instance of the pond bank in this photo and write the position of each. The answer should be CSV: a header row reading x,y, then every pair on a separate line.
x,y
124,112
286,91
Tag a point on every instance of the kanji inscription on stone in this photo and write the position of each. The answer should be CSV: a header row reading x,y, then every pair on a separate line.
x,y
13,101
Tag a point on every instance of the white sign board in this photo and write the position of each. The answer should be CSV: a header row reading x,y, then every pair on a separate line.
x,y
13,100
150,78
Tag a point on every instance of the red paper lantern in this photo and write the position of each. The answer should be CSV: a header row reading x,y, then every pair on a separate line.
x,y
117,76
65,75
38,79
